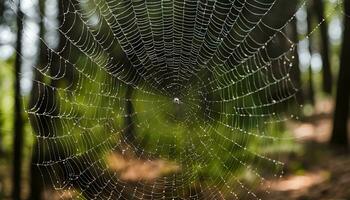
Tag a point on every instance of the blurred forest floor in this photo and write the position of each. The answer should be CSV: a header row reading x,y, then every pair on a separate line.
x,y
313,172
326,178
316,172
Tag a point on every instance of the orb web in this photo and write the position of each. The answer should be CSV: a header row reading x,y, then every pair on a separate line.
x,y
171,99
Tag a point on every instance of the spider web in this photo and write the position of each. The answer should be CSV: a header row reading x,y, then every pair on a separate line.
x,y
171,99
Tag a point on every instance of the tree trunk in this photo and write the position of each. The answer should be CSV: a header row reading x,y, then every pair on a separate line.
x,y
311,91
2,8
18,120
326,66
341,114
129,131
296,74
1,136
36,181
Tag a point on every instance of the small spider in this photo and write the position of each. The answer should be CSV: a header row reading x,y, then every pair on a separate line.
x,y
176,100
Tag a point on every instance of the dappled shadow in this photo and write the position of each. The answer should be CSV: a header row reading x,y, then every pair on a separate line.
x,y
316,172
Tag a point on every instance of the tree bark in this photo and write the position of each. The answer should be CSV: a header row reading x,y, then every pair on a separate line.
x,y
296,74
326,66
36,181
1,136
18,120
129,131
311,91
341,114
2,8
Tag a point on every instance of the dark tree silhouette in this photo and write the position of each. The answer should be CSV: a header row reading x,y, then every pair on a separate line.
x,y
296,73
49,96
2,7
341,114
18,120
1,135
129,110
310,90
36,182
326,66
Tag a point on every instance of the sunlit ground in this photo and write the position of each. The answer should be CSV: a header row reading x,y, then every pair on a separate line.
x,y
134,169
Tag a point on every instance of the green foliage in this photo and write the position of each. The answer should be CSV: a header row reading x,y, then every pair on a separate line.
x,y
6,103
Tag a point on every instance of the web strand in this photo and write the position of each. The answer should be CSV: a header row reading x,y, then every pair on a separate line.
x,y
199,85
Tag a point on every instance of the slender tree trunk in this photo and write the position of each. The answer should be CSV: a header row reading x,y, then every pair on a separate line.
x,y
18,120
2,8
296,74
1,135
311,91
36,181
326,66
129,110
341,114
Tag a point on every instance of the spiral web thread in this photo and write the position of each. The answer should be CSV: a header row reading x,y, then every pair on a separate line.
x,y
197,84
